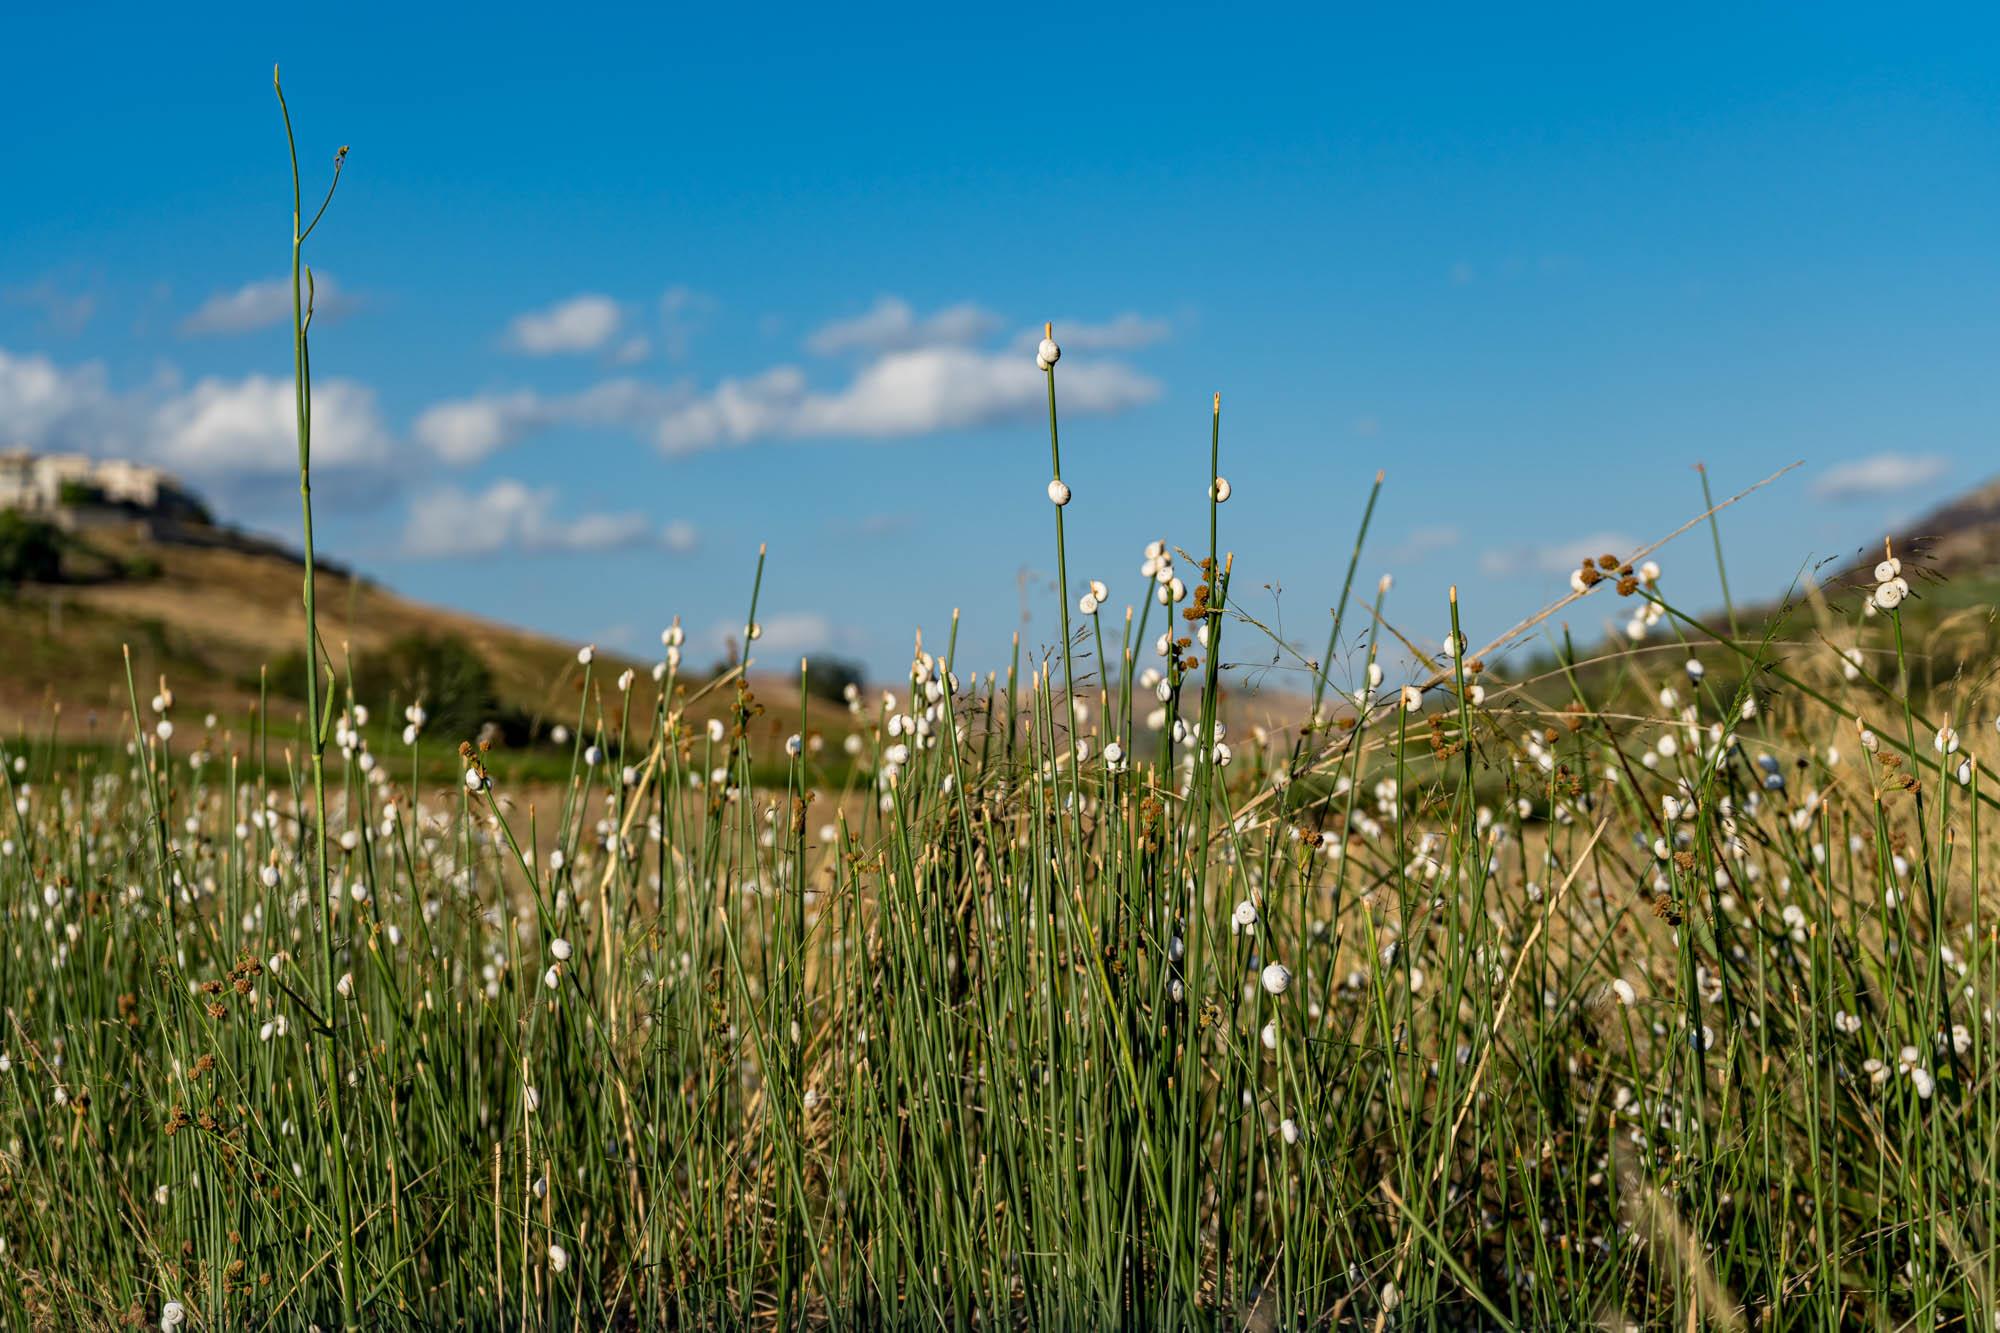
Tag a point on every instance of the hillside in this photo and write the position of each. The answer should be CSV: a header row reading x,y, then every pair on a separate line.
x,y
1961,536
1950,556
207,609
208,617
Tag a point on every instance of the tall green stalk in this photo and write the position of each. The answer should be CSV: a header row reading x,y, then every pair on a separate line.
x,y
315,720
1062,571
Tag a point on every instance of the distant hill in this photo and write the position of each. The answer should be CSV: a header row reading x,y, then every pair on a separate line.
x,y
207,608
1950,555
1954,551
1951,623
1961,536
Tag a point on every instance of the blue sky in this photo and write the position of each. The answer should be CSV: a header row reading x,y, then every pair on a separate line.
x,y
616,299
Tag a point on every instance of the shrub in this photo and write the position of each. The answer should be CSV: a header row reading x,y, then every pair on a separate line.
x,y
829,677
442,671
30,550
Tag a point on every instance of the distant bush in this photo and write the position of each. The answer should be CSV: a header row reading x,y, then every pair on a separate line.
x,y
30,550
442,671
828,678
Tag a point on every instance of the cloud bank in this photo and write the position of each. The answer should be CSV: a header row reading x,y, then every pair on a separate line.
x,y
912,375
512,516
583,323
1878,474
262,305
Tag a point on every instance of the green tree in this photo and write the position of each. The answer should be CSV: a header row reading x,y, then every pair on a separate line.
x,y
443,672
828,678
30,550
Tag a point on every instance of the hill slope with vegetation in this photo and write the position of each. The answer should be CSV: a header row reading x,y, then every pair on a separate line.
x,y
222,623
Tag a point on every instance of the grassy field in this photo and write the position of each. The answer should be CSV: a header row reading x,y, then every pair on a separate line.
x,y
1650,989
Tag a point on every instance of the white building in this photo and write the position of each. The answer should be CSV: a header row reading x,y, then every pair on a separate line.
x,y
59,485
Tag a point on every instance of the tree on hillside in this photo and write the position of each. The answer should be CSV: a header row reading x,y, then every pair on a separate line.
x,y
443,672
828,678
30,550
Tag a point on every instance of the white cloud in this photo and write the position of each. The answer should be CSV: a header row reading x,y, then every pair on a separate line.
x,y
47,407
680,536
921,375
901,394
218,429
801,632
945,388
1556,557
1879,474
511,516
581,324
250,425
781,635
890,325
260,305
1123,333
467,430
735,412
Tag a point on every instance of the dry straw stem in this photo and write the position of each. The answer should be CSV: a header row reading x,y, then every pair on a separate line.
x,y
1649,1210
650,766
1439,677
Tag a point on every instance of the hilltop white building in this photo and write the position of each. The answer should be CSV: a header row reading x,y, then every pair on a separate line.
x,y
63,487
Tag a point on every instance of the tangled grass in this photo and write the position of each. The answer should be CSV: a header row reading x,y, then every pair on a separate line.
x,y
1631,995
